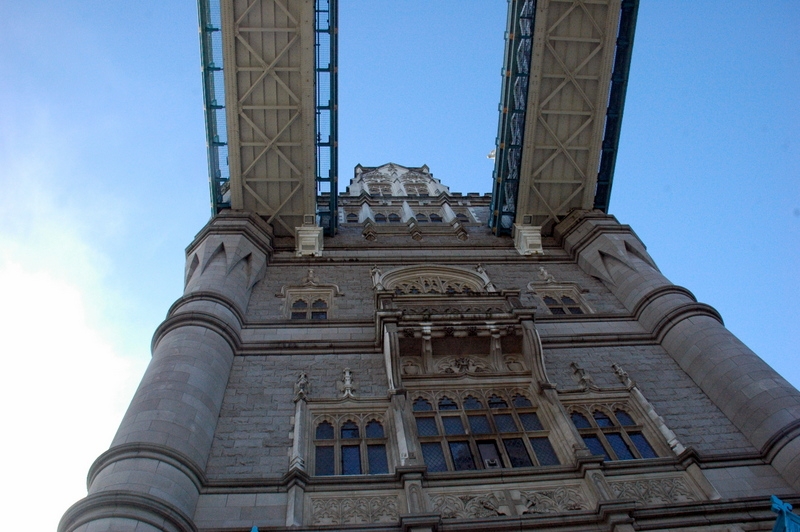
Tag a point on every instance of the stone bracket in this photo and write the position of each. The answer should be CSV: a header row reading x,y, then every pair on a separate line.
x,y
528,239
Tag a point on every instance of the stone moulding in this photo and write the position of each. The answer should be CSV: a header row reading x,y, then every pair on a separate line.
x,y
509,503
356,510
137,507
654,491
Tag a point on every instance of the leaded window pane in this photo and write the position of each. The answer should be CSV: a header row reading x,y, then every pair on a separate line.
x,y
351,460
470,403
550,301
489,454
602,419
447,404
319,303
580,421
299,304
497,402
426,426
349,430
323,460
530,421
595,447
421,218
479,425
623,418
621,448
376,454
642,445
324,431
462,456
436,218
422,405
452,425
515,448
568,300
505,423
380,218
434,457
394,218
374,429
557,310
298,315
575,310
316,315
545,452
521,401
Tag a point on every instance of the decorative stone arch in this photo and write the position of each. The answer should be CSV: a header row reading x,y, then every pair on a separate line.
x,y
425,279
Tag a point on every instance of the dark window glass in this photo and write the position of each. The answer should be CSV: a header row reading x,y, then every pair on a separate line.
x,y
623,418
421,218
447,404
602,419
497,402
642,445
621,448
452,425
557,310
351,218
349,430
298,315
575,310
323,461
489,455
374,429
351,460
299,304
394,218
521,401
479,425
530,421
567,300
324,431
580,421
426,426
376,454
470,403
434,457
549,301
317,315
421,405
595,446
319,303
462,217
544,451
515,449
436,218
462,456
380,218
505,423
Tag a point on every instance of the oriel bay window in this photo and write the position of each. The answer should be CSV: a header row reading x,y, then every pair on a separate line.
x,y
615,436
351,448
481,433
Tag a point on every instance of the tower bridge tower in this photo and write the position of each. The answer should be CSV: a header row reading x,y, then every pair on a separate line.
x,y
405,357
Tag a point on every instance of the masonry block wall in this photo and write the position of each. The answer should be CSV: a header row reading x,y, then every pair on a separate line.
x,y
220,435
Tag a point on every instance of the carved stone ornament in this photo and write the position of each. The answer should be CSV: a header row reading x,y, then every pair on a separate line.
x,y
462,365
545,276
302,387
509,503
424,279
354,510
654,491
346,386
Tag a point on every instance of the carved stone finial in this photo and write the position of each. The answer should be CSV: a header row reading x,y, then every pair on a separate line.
x,y
545,276
586,380
622,375
310,279
302,388
346,385
377,276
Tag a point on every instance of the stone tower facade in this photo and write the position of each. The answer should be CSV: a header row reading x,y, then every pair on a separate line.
x,y
418,373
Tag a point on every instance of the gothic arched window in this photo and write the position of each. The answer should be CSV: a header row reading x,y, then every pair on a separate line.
x,y
616,437
466,435
354,449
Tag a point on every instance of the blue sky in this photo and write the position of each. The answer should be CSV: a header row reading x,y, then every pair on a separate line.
x,y
102,164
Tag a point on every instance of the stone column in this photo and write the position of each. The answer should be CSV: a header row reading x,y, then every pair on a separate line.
x,y
151,476
761,403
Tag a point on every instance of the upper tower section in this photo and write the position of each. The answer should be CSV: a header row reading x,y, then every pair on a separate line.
x,y
394,180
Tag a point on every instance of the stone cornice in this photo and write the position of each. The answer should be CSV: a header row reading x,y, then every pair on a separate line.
x,y
199,319
252,226
207,296
121,504
151,451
